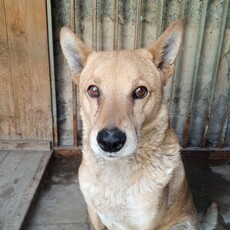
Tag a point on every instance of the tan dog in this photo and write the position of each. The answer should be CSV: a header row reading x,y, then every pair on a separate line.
x,y
131,175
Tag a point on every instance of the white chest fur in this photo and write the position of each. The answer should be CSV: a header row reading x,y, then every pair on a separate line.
x,y
124,198
120,207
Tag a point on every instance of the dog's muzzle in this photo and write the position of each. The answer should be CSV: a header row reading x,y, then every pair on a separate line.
x,y
111,140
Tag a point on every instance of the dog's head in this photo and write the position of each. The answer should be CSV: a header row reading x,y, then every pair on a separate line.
x,y
120,91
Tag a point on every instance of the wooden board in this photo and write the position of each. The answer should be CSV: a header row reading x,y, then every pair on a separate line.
x,y
7,110
25,97
21,173
25,145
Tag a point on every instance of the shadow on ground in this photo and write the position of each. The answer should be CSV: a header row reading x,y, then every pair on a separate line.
x,y
61,204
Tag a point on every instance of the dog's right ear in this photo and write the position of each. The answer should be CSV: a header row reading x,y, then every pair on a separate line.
x,y
164,51
74,50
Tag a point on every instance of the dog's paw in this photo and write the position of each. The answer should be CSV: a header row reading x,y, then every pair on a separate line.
x,y
184,226
209,222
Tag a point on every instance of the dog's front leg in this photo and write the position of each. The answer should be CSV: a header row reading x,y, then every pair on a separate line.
x,y
185,226
95,220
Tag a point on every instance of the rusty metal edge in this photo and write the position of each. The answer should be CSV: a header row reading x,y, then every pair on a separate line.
x,y
74,86
73,152
211,153
195,72
115,27
137,25
52,72
215,154
94,25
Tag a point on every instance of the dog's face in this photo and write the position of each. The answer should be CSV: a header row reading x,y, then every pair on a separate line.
x,y
120,91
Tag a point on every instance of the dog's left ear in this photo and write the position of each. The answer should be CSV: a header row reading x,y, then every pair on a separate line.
x,y
164,51
75,51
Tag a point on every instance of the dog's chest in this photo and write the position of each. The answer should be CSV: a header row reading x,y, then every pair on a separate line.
x,y
121,202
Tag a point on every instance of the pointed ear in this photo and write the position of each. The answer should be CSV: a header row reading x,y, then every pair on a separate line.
x,y
74,50
164,51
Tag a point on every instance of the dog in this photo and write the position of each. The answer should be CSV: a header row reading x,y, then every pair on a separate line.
x,y
132,176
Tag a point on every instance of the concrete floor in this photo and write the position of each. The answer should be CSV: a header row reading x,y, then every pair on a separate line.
x,y
61,206
210,181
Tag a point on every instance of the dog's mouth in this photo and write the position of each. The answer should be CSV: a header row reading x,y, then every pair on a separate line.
x,y
111,156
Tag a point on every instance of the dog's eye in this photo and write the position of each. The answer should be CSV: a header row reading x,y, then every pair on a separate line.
x,y
140,92
93,91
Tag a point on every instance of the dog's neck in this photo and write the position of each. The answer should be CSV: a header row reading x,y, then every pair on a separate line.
x,y
158,139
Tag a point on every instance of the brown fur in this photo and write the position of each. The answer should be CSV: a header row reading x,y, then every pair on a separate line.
x,y
143,186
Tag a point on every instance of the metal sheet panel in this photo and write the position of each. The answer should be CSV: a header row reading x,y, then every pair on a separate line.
x,y
199,92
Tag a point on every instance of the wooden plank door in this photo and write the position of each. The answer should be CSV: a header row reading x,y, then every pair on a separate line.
x,y
25,94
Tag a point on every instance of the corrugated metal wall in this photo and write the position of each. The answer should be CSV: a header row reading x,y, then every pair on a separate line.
x,y
198,94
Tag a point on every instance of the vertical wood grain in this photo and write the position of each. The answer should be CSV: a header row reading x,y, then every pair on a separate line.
x,y
20,66
7,112
23,24
39,68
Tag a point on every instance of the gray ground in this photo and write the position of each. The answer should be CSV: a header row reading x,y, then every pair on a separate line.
x,y
61,206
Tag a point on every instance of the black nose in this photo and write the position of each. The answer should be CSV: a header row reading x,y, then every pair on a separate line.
x,y
111,140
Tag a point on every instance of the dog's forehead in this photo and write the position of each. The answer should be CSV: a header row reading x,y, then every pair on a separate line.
x,y
119,65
